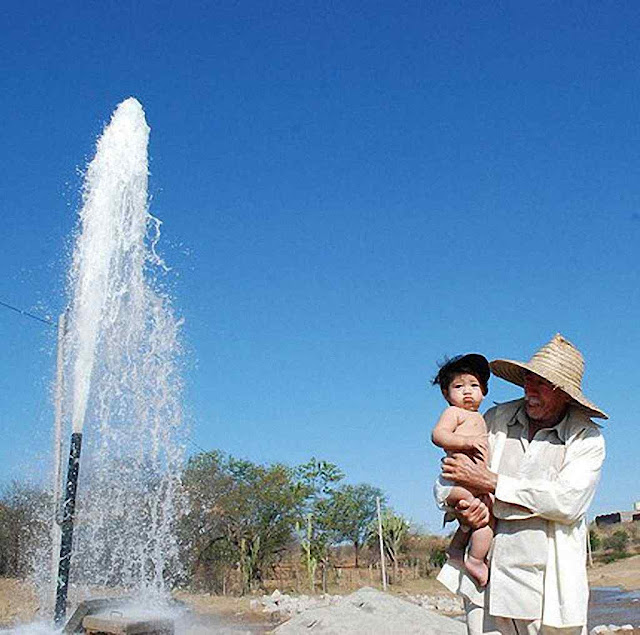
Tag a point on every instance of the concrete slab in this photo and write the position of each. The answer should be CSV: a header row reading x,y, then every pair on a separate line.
x,y
90,607
118,625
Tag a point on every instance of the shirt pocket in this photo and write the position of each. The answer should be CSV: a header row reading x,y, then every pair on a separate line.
x,y
543,460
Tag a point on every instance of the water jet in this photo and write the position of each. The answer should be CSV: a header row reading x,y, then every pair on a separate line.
x,y
118,385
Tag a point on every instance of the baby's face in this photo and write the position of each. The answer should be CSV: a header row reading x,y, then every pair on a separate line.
x,y
465,392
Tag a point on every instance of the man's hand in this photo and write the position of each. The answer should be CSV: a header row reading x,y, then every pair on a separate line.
x,y
475,514
469,473
478,446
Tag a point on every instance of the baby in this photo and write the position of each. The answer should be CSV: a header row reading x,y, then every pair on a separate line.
x,y
463,381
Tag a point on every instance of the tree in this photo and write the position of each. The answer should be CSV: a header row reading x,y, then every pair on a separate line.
x,y
259,514
206,553
23,526
316,479
437,556
394,533
594,540
617,541
252,508
349,511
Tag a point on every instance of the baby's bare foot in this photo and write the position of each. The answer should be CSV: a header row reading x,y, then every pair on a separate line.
x,y
478,570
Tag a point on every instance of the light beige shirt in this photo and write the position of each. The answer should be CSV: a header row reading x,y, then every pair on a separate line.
x,y
538,561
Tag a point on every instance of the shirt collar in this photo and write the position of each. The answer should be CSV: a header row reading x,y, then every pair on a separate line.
x,y
561,428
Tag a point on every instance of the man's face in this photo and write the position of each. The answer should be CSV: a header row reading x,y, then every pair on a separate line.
x,y
544,403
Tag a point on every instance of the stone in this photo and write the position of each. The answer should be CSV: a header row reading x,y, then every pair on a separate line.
x,y
117,625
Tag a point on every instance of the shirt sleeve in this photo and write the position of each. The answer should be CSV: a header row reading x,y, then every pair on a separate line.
x,y
563,497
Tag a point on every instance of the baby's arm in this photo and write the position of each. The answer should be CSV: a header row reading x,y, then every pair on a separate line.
x,y
444,435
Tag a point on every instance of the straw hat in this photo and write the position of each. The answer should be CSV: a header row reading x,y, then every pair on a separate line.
x,y
560,363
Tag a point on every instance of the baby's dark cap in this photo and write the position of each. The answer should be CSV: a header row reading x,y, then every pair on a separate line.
x,y
472,363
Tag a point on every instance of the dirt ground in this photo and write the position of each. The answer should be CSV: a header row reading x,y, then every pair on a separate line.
x,y
19,604
623,573
233,609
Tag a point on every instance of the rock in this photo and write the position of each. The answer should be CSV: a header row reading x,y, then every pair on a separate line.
x,y
370,611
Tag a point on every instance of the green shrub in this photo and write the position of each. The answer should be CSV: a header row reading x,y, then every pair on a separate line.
x,y
594,540
617,541
613,557
437,557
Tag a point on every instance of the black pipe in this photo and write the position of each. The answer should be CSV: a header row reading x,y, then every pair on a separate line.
x,y
68,512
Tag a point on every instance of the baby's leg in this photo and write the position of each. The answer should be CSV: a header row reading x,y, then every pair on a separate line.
x,y
460,539
458,494
458,544
480,541
479,544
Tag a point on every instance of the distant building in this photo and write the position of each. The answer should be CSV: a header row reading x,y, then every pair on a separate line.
x,y
619,517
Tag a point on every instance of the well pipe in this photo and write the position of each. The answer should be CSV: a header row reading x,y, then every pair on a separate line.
x,y
68,513
56,518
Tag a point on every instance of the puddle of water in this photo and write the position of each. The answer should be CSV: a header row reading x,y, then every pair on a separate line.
x,y
611,605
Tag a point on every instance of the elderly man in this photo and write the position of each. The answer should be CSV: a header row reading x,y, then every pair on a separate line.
x,y
545,462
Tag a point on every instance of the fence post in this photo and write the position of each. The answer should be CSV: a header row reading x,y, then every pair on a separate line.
x,y
382,563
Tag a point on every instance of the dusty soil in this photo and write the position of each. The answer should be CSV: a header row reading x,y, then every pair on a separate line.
x,y
18,602
234,610
19,605
623,573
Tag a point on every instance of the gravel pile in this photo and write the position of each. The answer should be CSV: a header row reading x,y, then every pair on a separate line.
x,y
370,611
281,605
451,605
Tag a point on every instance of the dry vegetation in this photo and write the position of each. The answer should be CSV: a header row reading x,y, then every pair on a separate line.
x,y
235,545
18,602
614,542
616,556
623,573
419,562
232,609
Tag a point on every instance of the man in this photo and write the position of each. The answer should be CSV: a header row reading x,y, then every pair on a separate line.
x,y
545,462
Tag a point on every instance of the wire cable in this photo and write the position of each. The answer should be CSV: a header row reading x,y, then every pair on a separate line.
x,y
50,323
194,444
27,314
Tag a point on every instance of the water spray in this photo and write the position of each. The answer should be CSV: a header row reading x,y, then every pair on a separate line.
x,y
121,375
115,185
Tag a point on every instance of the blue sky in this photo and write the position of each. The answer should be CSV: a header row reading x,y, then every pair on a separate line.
x,y
349,191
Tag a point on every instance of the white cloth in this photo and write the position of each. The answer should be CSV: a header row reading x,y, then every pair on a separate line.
x,y
521,548
441,491
555,482
478,622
